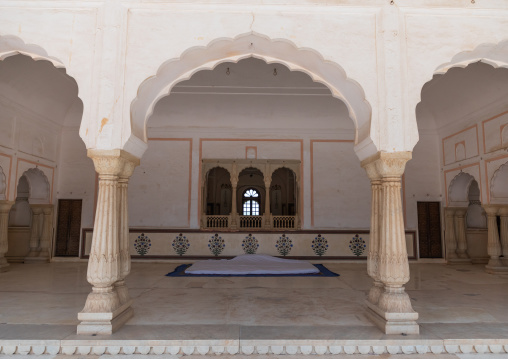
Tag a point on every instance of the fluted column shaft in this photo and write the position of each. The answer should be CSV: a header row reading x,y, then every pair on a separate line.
x,y
460,233
5,207
47,231
35,232
234,210
375,228
393,312
493,244
267,213
451,242
109,260
123,232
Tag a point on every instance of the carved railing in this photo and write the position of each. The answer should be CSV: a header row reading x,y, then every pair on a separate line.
x,y
283,222
251,221
217,221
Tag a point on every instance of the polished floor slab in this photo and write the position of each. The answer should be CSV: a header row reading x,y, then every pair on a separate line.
x,y
463,311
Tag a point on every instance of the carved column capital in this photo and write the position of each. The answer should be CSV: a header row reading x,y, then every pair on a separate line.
x,y
450,211
386,164
460,211
117,163
491,209
5,206
503,211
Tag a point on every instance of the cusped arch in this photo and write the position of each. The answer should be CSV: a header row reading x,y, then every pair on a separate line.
x,y
498,185
244,46
495,55
458,190
40,189
3,185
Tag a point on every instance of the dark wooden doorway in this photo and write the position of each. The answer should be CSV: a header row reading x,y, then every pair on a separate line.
x,y
68,228
429,230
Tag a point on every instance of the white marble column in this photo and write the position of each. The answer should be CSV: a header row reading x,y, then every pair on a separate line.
x,y
268,222
393,313
5,207
234,209
35,233
451,241
46,233
375,223
104,312
503,212
123,233
495,264
460,234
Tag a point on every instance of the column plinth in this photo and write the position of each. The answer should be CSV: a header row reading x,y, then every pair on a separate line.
x,y
494,250
108,306
393,313
5,207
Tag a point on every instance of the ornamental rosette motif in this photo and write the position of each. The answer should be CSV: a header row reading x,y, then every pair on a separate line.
x,y
180,244
142,244
250,244
357,245
284,245
319,245
216,244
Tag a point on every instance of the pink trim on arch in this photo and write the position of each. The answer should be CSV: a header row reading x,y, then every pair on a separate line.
x,y
9,175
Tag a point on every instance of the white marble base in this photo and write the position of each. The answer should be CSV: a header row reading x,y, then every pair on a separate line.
x,y
393,323
496,269
104,323
459,261
31,260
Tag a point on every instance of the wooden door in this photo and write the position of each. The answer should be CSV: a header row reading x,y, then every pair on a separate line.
x,y
68,228
429,230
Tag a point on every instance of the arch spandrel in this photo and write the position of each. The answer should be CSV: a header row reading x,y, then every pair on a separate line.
x,y
271,51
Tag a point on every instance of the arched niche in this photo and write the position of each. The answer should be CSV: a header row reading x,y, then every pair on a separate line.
x,y
218,192
40,188
3,185
475,216
20,214
283,192
499,185
250,178
458,190
271,51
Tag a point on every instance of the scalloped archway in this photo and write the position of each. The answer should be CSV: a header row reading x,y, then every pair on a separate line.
x,y
458,190
244,46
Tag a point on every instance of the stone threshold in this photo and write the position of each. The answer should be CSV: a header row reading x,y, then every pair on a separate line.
x,y
252,347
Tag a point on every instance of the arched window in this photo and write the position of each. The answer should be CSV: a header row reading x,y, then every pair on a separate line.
x,y
250,202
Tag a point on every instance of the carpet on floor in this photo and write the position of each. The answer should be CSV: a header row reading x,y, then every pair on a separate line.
x,y
323,272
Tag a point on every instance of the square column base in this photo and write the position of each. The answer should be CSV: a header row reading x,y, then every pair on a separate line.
x,y
30,260
104,323
496,269
459,261
393,323
4,268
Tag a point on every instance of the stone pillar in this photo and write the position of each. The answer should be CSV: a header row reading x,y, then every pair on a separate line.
x,y
47,233
503,212
123,233
234,210
103,312
5,207
268,222
451,242
495,264
35,234
375,222
393,313
460,233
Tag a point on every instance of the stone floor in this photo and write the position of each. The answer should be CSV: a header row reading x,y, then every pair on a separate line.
x,y
463,311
